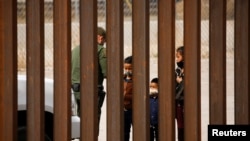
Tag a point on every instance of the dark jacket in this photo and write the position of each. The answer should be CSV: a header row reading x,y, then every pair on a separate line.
x,y
179,89
154,110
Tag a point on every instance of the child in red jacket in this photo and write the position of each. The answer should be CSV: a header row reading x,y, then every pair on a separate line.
x,y
127,96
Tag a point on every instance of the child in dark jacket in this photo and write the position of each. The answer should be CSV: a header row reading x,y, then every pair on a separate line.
x,y
153,98
179,95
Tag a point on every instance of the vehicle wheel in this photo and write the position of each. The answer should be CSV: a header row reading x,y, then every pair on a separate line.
x,y
22,131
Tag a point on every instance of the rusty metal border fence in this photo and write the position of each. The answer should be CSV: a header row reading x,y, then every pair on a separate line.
x,y
242,53
8,70
35,70
166,49
62,65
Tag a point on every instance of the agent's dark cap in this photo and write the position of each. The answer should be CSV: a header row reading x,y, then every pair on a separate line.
x,y
101,31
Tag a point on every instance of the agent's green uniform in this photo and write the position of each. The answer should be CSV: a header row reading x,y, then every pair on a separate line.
x,y
75,70
102,73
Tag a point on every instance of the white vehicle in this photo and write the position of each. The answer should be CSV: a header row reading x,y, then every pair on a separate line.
x,y
48,101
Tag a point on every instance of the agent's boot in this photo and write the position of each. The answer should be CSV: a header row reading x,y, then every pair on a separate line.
x,y
180,134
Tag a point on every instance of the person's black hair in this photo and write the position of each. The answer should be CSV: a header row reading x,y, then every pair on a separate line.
x,y
101,31
154,80
128,60
180,50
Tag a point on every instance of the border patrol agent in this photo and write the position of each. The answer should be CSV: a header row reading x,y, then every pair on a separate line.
x,y
102,73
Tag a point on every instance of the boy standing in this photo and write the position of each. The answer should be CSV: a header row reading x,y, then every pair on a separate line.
x,y
127,96
153,98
